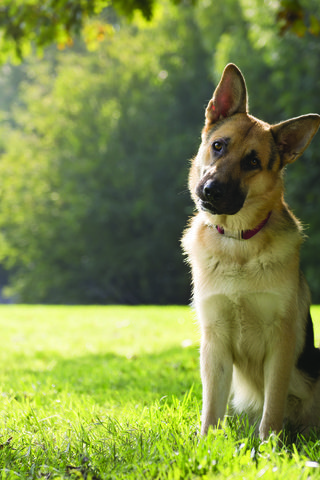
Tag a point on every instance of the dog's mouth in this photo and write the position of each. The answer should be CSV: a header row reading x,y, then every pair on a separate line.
x,y
220,198
216,210
207,207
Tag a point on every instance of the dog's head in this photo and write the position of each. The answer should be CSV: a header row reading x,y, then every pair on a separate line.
x,y
240,159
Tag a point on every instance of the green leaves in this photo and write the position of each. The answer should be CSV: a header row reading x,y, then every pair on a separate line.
x,y
38,23
95,145
100,163
294,16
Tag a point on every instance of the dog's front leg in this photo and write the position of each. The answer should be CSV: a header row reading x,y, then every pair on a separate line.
x,y
216,374
277,372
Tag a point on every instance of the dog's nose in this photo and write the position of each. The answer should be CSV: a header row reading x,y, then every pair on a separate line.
x,y
213,190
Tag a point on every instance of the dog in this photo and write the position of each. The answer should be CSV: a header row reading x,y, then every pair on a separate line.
x,y
257,350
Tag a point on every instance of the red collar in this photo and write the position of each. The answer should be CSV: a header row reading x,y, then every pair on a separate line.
x,y
244,234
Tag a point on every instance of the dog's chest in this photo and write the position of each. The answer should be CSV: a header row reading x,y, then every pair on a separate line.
x,y
259,274
242,290
250,299
253,322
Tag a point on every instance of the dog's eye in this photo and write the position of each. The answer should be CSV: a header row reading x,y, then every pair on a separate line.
x,y
217,146
251,161
254,163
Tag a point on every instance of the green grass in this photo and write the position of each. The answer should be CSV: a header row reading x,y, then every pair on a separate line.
x,y
114,393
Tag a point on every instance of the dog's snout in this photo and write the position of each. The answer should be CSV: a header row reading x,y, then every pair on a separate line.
x,y
220,197
213,190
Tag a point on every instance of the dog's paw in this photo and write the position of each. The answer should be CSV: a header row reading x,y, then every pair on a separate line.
x,y
264,432
204,428
267,429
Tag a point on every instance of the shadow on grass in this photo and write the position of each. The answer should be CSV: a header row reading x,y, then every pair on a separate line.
x,y
111,378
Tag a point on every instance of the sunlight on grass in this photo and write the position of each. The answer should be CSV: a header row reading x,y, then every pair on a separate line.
x,y
115,393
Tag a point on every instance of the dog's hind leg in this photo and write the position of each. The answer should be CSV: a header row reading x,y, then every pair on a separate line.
x,y
216,373
311,419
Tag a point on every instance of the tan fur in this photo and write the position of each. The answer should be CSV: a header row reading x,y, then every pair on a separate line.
x,y
250,297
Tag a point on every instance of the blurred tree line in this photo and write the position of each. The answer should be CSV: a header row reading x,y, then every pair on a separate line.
x,y
95,143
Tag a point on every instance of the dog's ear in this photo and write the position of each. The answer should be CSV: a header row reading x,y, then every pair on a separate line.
x,y
293,136
229,97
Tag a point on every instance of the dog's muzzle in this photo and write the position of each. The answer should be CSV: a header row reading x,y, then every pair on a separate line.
x,y
220,198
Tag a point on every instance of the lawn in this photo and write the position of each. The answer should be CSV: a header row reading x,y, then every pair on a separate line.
x,y
114,393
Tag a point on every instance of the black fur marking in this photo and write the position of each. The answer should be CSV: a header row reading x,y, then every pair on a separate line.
x,y
277,149
250,162
309,360
273,155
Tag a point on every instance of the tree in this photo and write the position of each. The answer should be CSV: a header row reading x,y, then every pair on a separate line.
x,y
94,154
94,196
42,22
298,17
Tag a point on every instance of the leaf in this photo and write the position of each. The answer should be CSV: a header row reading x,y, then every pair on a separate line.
x,y
299,28
314,25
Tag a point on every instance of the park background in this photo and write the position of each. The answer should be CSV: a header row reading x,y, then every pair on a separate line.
x,y
101,108
97,130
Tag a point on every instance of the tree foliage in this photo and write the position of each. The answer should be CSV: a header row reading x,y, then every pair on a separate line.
x,y
94,176
24,23
95,146
299,17
41,22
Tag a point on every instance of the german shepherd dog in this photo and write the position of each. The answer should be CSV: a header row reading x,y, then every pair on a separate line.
x,y
252,301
